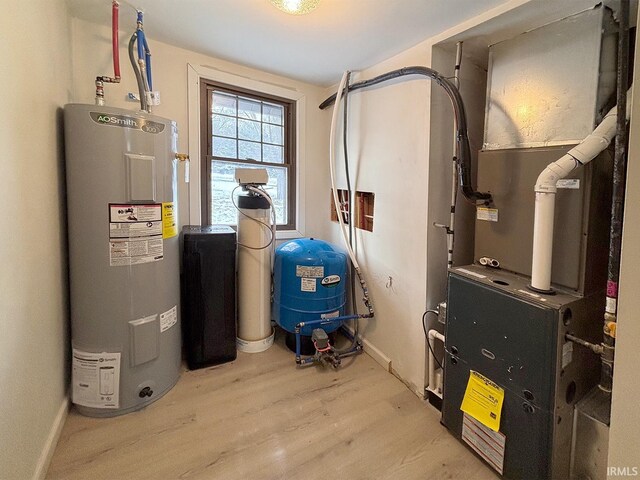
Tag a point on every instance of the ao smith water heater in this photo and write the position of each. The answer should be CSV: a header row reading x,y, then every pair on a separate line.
x,y
122,208
123,245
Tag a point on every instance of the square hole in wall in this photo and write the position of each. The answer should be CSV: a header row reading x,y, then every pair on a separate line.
x,y
343,198
364,210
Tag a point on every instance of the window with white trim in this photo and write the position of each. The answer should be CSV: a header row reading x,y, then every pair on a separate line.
x,y
243,128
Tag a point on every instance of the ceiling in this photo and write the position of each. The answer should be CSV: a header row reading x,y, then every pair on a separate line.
x,y
315,48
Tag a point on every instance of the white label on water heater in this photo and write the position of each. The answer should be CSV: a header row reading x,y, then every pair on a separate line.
x,y
96,379
135,234
135,252
308,284
168,319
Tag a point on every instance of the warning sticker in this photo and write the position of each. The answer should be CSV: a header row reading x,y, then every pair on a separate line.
x,y
135,234
487,214
309,272
169,224
308,284
134,230
96,379
483,400
486,443
135,252
168,319
135,213
335,314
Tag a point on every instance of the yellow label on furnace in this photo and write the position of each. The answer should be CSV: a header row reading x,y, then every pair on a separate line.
x,y
169,224
483,400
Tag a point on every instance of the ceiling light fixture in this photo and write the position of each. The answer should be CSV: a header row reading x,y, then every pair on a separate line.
x,y
296,7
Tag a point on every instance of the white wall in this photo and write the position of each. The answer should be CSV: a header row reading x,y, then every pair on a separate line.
x,y
388,151
391,146
624,440
92,57
35,72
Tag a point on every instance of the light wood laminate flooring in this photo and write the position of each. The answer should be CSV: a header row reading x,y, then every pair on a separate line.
x,y
260,417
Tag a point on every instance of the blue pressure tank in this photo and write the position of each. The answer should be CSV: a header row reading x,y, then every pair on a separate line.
x,y
309,283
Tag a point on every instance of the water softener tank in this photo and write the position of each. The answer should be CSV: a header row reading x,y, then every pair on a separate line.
x,y
255,333
309,283
123,257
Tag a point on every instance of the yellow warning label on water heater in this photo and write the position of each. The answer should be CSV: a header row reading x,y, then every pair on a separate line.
x,y
483,400
169,224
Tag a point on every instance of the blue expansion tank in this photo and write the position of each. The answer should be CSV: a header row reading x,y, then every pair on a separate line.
x,y
309,283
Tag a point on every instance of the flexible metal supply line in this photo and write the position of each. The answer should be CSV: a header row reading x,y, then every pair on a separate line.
x,y
136,70
463,151
144,54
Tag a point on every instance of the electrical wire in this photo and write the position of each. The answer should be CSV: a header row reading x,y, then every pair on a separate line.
x,y
265,194
426,335
266,225
463,150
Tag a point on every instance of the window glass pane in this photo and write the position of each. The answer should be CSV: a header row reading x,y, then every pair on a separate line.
x,y
224,103
224,147
271,134
248,130
249,150
272,113
223,182
248,109
272,154
225,126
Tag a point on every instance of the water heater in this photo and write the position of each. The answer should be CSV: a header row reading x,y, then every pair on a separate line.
x,y
123,257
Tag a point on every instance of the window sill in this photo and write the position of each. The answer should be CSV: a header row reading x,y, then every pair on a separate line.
x,y
288,234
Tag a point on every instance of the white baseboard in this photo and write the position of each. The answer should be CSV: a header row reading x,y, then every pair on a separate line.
x,y
373,352
376,354
52,441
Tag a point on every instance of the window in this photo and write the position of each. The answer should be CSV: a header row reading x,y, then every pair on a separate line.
x,y
242,128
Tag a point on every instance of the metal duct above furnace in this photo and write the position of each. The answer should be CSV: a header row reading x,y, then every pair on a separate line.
x,y
551,86
547,90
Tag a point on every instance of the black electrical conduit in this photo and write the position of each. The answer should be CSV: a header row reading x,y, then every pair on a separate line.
x,y
463,151
136,71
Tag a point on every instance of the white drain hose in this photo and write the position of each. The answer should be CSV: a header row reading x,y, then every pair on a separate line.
x,y
336,200
332,146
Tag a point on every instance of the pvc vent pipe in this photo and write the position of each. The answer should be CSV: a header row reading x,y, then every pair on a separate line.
x,y
545,190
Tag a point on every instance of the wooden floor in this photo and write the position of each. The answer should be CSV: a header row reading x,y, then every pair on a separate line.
x,y
260,417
